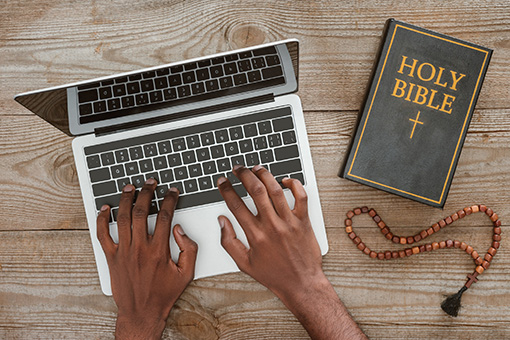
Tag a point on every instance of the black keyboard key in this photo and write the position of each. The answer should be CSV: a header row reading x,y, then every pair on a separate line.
x,y
272,60
258,62
112,201
231,149
147,85
161,82
286,152
150,150
240,79
121,156
232,178
174,160
175,80
85,109
93,161
146,165
226,82
203,154
206,197
272,72
178,144
152,175
197,88
190,66
188,77
156,96
212,85
190,185
209,167
250,130
128,101
207,138
105,92
217,151
138,181
121,183
274,140
254,76
237,160
202,74
236,133
88,86
99,175
114,104
133,88
184,91
230,68
136,152
87,96
105,188
283,124
166,176
221,136
188,157
132,168
218,60
195,170
181,173
216,71
264,51
142,99
118,171
260,143
135,77
121,80
164,147
265,127
289,137
179,187
246,145
298,176
160,163
205,183
231,57
161,190
163,72
170,94
285,167
244,55
216,177
149,74
176,69
119,90
107,158
266,156
244,65
224,164
100,106
204,63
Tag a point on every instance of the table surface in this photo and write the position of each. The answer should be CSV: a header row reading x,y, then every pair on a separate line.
x,y
49,287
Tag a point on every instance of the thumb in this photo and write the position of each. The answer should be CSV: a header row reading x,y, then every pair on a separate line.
x,y
188,255
234,247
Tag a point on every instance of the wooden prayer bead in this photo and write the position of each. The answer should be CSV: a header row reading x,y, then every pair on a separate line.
x,y
496,237
455,217
436,227
486,264
430,231
497,223
348,222
401,253
352,236
364,210
385,230
373,254
494,217
403,240
478,261
361,246
468,210
475,208
449,243
495,244
456,244
423,234
463,245
422,249
428,247
350,214
389,236
380,256
372,213
417,238
442,244
357,240
357,211
416,250
479,269
435,245
410,240
497,230
366,250
469,250
348,229
492,251
376,218
394,254
488,257
396,239
489,212
408,251
442,223
387,255
483,208
448,220
381,224
461,213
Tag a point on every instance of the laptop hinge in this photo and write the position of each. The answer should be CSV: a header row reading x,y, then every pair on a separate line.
x,y
102,131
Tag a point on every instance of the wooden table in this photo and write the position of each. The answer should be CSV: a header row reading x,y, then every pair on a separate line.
x,y
49,287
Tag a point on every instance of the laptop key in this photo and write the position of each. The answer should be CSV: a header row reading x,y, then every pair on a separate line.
x,y
226,82
274,140
166,176
164,147
121,156
179,187
87,96
285,167
161,190
149,74
203,154
252,159
204,63
113,104
272,60
86,109
264,51
152,175
93,161
238,160
197,88
146,165
135,77
176,69
244,55
265,127
232,178
188,157
230,68
107,158
258,62
236,133
138,181
231,57
207,138
254,76
175,80
212,85
184,91
205,183
163,71
286,152
266,156
161,82
188,77
174,160
272,72
142,99
181,173
209,167
246,145
216,71
218,60
217,151
190,66
99,175
117,171
121,183
195,170
150,150
250,130
136,152
132,168
111,200
216,177
133,87
299,176
100,106
193,141
221,136
119,90
105,92
105,188
240,79
156,96
178,144
128,101
160,163
223,164
191,185
260,142
283,124
202,74
231,149
244,65
170,94
289,137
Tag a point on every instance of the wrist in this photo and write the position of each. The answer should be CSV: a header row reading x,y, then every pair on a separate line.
x,y
143,327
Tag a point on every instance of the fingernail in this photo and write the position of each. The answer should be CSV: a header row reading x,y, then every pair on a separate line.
x,y
257,167
150,181
237,167
221,220
179,229
128,188
174,189
221,180
104,207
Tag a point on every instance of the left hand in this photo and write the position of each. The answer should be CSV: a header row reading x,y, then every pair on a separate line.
x,y
146,283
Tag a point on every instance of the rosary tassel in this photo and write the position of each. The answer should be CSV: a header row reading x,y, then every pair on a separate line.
x,y
452,303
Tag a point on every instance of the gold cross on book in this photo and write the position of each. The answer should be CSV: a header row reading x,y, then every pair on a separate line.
x,y
416,121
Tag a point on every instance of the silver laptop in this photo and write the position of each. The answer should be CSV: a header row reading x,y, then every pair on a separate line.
x,y
186,124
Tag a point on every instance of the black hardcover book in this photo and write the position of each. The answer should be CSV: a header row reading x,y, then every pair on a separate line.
x,y
416,113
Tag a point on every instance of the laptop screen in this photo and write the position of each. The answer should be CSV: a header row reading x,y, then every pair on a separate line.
x,y
168,91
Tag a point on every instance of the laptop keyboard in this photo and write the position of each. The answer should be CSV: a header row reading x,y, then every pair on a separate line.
x,y
193,158
180,84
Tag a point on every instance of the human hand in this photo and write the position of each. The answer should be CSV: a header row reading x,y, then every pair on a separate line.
x,y
145,281
284,255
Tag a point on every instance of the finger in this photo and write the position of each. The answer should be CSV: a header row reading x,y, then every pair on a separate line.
x,y
124,215
274,190
103,231
234,247
300,197
255,188
188,255
141,210
236,205
164,220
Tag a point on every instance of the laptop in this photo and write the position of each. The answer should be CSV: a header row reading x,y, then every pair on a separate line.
x,y
186,124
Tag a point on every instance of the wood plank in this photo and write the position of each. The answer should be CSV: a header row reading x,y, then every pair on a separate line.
x,y
49,289
339,40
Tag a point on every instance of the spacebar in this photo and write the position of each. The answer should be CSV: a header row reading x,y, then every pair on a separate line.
x,y
206,197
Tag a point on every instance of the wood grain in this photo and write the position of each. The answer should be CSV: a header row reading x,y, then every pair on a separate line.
x,y
49,288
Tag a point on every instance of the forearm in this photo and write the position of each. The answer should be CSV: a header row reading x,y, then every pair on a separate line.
x,y
320,311
137,329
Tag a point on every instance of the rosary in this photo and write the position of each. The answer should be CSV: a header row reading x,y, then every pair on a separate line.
x,y
452,304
